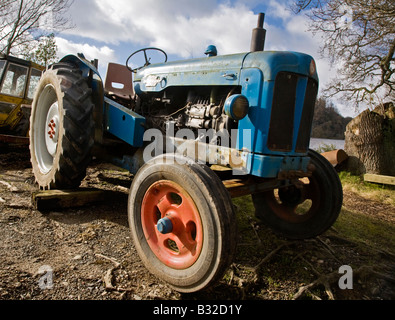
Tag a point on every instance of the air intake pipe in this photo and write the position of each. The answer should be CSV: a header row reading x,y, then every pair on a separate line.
x,y
258,35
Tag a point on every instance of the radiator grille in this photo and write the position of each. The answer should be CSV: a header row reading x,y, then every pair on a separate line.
x,y
281,128
303,141
283,110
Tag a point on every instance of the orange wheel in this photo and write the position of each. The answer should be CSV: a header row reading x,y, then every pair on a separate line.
x,y
171,224
182,222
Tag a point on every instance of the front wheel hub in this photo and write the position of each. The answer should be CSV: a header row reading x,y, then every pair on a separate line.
x,y
164,225
172,225
52,129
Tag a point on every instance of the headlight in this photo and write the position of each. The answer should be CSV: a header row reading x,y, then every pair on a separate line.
x,y
236,106
313,67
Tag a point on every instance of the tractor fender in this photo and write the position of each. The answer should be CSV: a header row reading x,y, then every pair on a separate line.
x,y
88,71
95,82
84,65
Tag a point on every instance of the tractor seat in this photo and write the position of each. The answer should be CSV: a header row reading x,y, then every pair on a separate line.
x,y
119,81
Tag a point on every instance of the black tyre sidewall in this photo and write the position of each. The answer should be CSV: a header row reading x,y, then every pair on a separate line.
x,y
215,254
330,193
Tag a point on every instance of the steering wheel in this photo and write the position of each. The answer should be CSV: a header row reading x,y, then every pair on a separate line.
x,y
147,60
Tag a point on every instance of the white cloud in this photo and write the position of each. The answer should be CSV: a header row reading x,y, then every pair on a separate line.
x,y
185,27
104,54
179,27
278,9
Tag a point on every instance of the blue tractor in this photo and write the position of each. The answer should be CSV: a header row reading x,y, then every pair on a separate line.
x,y
194,134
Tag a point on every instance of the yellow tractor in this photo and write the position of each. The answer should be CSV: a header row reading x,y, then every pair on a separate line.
x,y
18,81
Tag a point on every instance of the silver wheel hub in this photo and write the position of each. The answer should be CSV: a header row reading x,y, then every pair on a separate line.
x,y
51,129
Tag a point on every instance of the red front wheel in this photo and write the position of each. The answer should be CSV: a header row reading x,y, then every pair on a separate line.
x,y
171,224
182,222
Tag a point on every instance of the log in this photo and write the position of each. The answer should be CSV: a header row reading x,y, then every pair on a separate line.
x,y
44,200
376,178
335,157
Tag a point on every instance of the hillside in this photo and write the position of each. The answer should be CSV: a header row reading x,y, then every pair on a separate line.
x,y
327,122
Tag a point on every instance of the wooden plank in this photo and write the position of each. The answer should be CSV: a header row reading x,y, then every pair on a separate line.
x,y
56,199
376,178
240,187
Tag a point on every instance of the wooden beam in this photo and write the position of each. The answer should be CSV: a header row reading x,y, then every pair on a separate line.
x,y
243,187
376,178
56,199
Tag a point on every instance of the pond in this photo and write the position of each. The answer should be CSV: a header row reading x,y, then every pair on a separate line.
x,y
315,143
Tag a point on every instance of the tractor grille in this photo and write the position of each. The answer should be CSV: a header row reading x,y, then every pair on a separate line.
x,y
281,128
283,110
302,144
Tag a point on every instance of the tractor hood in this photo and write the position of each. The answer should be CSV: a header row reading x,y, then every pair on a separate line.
x,y
221,70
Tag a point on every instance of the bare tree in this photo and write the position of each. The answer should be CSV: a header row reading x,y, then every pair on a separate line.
x,y
359,38
26,21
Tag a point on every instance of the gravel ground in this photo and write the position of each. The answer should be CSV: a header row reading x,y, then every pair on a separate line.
x,y
86,253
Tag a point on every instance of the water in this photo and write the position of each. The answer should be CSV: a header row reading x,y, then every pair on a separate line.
x,y
315,143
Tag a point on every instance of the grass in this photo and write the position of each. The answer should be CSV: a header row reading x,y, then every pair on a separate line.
x,y
357,238
353,223
372,191
363,229
360,227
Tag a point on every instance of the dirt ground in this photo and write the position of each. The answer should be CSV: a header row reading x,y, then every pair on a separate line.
x,y
86,253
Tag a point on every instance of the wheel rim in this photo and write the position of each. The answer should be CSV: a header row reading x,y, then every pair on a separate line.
x,y
46,135
296,205
171,224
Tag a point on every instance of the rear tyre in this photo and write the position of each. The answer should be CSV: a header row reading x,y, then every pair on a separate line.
x,y
182,222
307,211
61,128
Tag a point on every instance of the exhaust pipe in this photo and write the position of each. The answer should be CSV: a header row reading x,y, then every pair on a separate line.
x,y
258,35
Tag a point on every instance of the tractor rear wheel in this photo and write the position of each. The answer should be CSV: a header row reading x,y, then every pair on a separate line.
x,y
304,211
182,222
61,128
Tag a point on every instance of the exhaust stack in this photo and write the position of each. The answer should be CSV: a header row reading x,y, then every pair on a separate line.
x,y
258,35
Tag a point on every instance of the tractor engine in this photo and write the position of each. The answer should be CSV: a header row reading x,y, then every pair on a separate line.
x,y
198,108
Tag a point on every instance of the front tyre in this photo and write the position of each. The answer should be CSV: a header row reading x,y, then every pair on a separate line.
x,y
304,211
182,222
61,128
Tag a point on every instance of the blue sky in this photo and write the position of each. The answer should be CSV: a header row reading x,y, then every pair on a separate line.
x,y
109,30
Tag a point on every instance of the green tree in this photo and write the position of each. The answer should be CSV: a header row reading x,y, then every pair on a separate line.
x,y
44,53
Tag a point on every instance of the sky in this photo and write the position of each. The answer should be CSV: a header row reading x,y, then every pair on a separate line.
x,y
110,30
